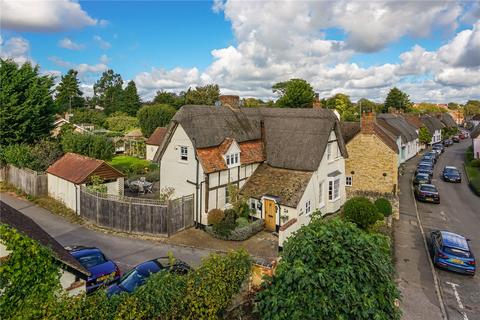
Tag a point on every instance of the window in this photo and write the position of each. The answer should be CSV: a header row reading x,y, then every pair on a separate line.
x,y
253,204
183,153
307,207
348,181
232,159
320,195
334,190
329,151
227,195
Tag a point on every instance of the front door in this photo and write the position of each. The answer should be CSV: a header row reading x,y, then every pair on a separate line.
x,y
270,214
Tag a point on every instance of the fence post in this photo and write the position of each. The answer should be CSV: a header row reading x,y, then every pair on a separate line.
x,y
169,222
130,215
96,204
183,211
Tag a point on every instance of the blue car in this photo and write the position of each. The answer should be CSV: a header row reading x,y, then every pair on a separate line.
x,y
102,270
451,174
138,275
451,251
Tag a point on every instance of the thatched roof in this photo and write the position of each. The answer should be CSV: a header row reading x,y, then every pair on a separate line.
x,y
476,132
398,126
295,138
287,185
446,119
349,130
432,123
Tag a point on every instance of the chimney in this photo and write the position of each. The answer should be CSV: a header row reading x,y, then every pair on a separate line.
x,y
316,102
367,123
230,101
262,137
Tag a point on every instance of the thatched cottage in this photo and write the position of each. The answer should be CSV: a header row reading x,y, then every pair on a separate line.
x,y
288,162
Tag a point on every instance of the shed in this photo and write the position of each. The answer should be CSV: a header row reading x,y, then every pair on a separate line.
x,y
73,170
154,141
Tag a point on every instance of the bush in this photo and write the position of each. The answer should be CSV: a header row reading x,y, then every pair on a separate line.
x,y
215,216
313,280
225,226
19,155
84,116
361,211
239,233
98,147
475,163
153,116
241,222
383,206
38,157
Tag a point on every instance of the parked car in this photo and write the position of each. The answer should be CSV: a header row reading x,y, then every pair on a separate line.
x,y
466,134
447,142
429,157
455,139
102,270
427,192
139,275
424,168
438,147
461,136
451,251
422,178
451,174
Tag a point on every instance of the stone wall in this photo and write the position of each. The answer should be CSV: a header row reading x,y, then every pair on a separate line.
x,y
374,165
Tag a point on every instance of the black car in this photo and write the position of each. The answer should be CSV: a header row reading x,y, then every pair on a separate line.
x,y
139,275
422,178
451,174
447,143
433,154
423,168
439,146
428,160
456,139
427,192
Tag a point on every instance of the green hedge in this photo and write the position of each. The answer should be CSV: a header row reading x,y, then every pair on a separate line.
x,y
361,211
473,171
239,233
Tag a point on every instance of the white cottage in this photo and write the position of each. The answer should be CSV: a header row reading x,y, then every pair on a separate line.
x,y
73,275
404,133
72,170
289,162
475,135
154,141
434,126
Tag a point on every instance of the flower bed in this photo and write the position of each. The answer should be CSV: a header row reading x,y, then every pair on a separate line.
x,y
240,233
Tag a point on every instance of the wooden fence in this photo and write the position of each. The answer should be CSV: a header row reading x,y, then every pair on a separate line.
x,y
135,215
29,181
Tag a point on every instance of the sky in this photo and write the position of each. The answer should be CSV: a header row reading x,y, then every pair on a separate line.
x,y
429,49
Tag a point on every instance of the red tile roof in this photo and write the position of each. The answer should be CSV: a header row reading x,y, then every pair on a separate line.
x,y
212,158
78,169
157,136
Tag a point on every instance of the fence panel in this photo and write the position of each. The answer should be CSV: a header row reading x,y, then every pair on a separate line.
x,y
29,181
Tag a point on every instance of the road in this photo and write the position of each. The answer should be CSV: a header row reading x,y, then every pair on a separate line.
x,y
458,212
126,252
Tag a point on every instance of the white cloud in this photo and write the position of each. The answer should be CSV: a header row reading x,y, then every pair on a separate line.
x,y
37,16
101,42
104,59
68,43
16,49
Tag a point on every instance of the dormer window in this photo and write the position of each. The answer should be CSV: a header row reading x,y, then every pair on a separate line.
x,y
232,160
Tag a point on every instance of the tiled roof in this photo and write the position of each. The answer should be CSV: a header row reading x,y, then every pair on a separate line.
x,y
77,168
212,158
29,228
157,136
288,185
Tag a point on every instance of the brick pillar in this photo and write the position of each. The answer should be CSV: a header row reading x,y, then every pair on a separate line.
x,y
367,123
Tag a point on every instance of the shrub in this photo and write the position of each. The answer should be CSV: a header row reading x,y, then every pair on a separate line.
x,y
19,155
215,216
241,222
383,206
312,280
361,211
224,227
153,116
37,157
475,163
98,147
239,233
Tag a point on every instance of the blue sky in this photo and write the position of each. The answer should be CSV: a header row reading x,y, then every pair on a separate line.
x,y
355,47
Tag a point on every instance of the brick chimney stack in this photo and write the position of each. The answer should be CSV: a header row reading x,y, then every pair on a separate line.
x,y
230,101
367,123
316,102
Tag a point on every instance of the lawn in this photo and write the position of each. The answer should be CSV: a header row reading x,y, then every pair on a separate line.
x,y
132,166
473,171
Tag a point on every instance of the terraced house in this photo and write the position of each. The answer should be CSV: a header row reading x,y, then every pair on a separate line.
x,y
288,162
434,126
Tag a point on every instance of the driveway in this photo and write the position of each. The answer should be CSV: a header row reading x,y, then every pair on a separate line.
x,y
126,252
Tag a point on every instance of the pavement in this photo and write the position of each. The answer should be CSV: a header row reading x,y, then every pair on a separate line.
x,y
459,212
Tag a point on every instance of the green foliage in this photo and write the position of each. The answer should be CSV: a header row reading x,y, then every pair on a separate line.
x,y
294,93
170,98
341,102
225,226
397,99
472,168
94,117
449,131
368,106
215,216
108,92
212,286
424,135
361,211
19,155
27,112
121,122
383,206
252,102
331,269
153,116
475,163
471,108
96,184
29,277
94,146
68,94
132,165
130,100
425,108
241,222
206,95
37,157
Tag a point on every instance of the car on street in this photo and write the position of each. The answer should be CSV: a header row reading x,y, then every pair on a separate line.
x,y
447,142
424,168
455,139
451,174
430,158
139,274
103,271
461,136
427,193
422,178
451,251
438,147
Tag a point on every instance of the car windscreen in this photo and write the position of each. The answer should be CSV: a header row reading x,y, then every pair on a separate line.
x,y
424,167
91,260
452,172
457,252
428,188
132,280
421,176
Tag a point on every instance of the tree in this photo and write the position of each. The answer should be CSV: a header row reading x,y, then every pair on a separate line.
x,y
324,274
94,117
170,98
130,103
68,94
294,93
27,112
108,91
206,95
424,136
151,117
471,108
453,106
252,102
397,99
365,105
341,102
121,122
98,147
425,108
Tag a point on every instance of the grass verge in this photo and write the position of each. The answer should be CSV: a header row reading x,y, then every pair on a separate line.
x,y
473,172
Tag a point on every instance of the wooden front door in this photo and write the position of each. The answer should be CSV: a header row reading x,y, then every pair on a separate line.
x,y
270,215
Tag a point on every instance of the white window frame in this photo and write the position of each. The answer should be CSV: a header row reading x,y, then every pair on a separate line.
x,y
329,151
308,207
333,193
321,195
253,204
184,153
348,181
232,160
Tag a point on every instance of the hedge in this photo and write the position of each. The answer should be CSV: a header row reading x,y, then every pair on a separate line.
x,y
240,233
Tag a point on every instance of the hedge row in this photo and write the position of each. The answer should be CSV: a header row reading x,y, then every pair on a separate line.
x,y
240,233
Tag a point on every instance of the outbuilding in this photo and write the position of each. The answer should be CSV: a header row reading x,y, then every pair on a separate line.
x,y
72,170
154,141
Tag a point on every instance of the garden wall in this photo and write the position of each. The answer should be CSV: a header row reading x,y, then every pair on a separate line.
x,y
29,181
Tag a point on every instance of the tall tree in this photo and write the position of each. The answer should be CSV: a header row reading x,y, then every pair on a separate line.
x,y
424,136
252,102
206,95
153,116
341,102
108,91
472,107
68,94
27,111
397,99
365,105
130,103
172,99
294,93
